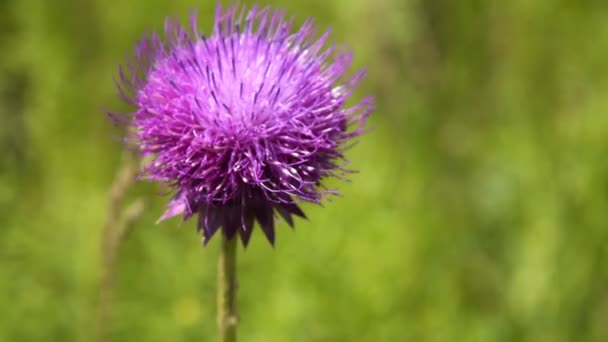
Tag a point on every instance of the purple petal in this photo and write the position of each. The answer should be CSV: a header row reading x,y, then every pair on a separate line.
x,y
175,207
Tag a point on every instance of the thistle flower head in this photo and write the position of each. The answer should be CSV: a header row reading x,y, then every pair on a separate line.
x,y
244,123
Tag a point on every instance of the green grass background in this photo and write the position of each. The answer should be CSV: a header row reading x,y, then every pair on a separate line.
x,y
480,212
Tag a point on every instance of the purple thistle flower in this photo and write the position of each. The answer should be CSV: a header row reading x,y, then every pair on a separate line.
x,y
244,124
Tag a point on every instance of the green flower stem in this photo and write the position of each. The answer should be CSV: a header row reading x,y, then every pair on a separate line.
x,y
227,316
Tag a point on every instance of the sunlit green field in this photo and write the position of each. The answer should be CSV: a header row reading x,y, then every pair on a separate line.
x,y
480,212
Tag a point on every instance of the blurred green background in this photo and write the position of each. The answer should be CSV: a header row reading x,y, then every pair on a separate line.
x,y
480,212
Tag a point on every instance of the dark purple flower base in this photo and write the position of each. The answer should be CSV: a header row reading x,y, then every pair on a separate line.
x,y
236,216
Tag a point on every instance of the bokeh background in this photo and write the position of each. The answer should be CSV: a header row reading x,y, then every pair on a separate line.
x,y
480,212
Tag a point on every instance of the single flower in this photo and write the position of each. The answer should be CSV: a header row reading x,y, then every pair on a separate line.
x,y
245,123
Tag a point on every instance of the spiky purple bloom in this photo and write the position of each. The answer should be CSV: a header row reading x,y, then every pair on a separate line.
x,y
244,124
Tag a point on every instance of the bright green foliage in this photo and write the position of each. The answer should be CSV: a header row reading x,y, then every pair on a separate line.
x,y
480,212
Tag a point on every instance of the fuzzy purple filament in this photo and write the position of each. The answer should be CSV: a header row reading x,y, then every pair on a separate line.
x,y
244,124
